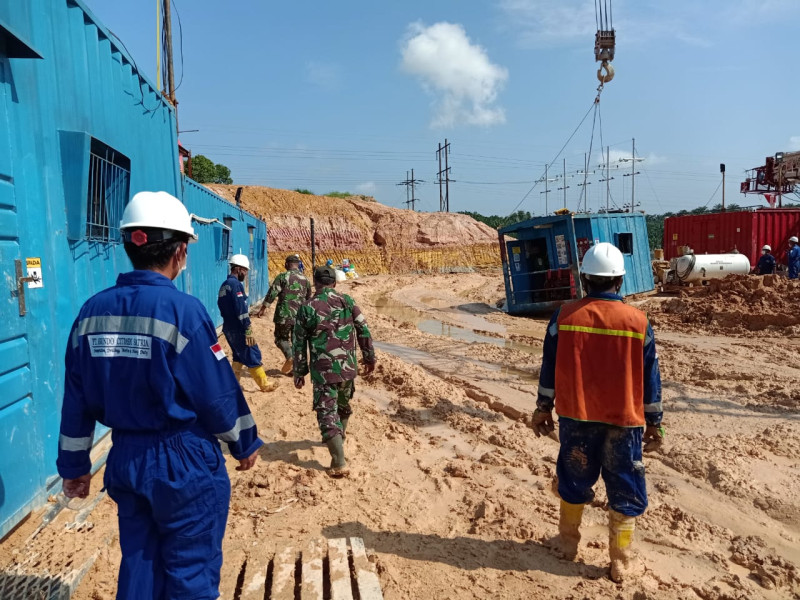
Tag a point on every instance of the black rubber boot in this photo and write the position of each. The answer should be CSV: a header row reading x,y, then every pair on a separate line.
x,y
338,466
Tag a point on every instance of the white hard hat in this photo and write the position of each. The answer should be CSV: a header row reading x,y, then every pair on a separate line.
x,y
240,260
603,260
767,247
157,210
793,239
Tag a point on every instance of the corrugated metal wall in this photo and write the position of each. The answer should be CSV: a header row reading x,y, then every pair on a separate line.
x,y
744,231
208,258
84,90
609,228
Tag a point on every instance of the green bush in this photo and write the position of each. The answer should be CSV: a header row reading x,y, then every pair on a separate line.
x,y
303,191
339,194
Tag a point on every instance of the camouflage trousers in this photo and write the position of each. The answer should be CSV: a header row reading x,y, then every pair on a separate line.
x,y
332,404
283,338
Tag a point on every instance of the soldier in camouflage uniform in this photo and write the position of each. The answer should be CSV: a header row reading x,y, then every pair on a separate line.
x,y
292,289
330,324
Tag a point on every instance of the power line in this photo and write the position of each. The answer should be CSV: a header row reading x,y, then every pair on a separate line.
x,y
569,139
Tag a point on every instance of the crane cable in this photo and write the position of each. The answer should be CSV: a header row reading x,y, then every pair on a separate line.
x,y
552,162
605,40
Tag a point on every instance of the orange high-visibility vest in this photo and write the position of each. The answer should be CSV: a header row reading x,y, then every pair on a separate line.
x,y
600,362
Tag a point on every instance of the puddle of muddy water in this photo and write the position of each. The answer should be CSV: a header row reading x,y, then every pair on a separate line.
x,y
397,310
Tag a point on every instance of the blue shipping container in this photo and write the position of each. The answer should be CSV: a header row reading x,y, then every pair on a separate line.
x,y
541,263
81,131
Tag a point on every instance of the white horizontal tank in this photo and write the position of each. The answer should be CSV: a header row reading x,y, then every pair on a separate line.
x,y
700,267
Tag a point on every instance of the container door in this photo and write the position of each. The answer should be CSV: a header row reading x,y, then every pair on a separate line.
x,y
518,268
20,452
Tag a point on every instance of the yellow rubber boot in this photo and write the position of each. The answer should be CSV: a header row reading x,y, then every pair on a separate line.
x,y
238,369
569,529
625,564
264,383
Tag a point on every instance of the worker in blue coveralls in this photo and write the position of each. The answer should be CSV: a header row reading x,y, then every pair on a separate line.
x,y
232,304
600,370
793,258
766,262
143,359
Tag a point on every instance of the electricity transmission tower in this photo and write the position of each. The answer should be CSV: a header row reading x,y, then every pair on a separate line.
x,y
444,198
411,187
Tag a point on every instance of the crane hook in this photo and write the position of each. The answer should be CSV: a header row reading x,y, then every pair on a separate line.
x,y
609,72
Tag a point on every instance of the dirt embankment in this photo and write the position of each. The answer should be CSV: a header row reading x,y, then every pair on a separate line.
x,y
738,304
377,238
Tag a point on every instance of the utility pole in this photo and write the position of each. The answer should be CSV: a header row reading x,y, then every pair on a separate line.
x,y
444,201
566,187
439,177
410,185
585,173
546,191
168,40
633,173
722,170
608,177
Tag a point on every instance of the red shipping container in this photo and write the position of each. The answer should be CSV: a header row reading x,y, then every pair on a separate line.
x,y
742,231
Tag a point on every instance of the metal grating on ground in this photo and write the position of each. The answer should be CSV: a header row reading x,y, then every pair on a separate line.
x,y
321,570
21,583
43,570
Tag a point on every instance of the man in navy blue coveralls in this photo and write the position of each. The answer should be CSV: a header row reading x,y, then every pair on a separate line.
x,y
143,359
232,304
793,257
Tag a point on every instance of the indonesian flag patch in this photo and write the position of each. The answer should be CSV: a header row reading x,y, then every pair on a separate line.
x,y
239,294
218,351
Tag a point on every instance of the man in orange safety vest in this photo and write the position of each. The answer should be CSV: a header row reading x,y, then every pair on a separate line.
x,y
600,371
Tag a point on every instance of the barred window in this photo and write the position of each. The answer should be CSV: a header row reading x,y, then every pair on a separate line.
x,y
109,185
226,247
251,234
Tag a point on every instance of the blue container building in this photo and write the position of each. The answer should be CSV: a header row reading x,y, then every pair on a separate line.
x,y
541,257
81,130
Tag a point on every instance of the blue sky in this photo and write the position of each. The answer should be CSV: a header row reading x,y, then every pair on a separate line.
x,y
350,96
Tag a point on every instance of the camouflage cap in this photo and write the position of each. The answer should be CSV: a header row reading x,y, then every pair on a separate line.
x,y
293,258
325,273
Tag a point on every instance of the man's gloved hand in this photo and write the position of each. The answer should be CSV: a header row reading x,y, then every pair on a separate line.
x,y
653,435
299,382
77,488
367,368
543,422
248,338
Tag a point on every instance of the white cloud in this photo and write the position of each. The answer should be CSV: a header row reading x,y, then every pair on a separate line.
x,y
367,188
794,143
322,74
457,72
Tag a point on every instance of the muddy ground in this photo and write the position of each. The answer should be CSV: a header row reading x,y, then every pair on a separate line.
x,y
451,491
